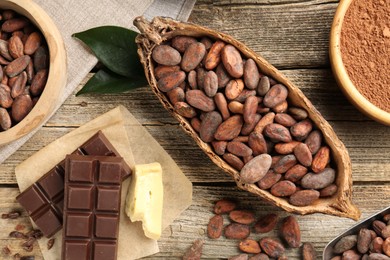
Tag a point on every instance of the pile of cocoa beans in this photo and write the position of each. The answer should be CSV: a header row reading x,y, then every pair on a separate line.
x,y
244,221
24,66
246,118
370,243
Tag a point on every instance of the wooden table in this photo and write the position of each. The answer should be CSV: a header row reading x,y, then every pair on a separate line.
x,y
293,35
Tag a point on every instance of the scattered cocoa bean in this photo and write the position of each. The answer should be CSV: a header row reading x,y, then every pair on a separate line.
x,y
291,232
242,216
195,251
249,246
272,247
215,227
237,231
266,223
308,252
224,206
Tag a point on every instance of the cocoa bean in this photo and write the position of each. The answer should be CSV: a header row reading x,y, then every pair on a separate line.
x,y
376,245
215,227
193,56
233,88
264,121
251,74
313,141
195,251
276,95
260,256
170,81
161,71
5,96
236,107
195,123
269,179
304,197
283,189
308,252
237,231
199,100
345,243
386,246
166,55
30,72
266,223
229,129
41,58
200,74
213,57
263,86
209,126
295,173
4,50
219,147
286,148
285,119
238,148
232,61
321,159
192,79
285,163
242,216
185,110
239,257
303,154
256,168
328,191
249,246
298,113
301,129
377,256
21,106
176,95
364,240
19,85
250,108
385,232
14,24
378,226
223,76
281,108
351,255
247,158
182,42
210,83
233,161
5,119
39,82
15,47
291,232
224,206
277,133
17,66
272,247
248,128
221,103
318,180
257,143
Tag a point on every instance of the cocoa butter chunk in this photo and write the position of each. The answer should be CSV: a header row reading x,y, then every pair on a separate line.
x,y
232,61
193,56
345,244
166,55
318,180
256,168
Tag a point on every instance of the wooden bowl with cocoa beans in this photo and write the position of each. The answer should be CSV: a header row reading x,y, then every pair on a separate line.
x,y
32,68
247,117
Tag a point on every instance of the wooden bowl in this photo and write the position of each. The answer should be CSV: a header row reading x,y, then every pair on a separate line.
x,y
57,71
162,29
340,72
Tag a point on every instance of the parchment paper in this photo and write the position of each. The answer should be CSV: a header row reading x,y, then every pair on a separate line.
x,y
126,134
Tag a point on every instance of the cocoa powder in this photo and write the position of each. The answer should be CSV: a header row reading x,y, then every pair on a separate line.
x,y
365,49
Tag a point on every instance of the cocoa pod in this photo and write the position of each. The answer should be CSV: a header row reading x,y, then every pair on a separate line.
x,y
232,61
210,84
166,55
277,133
285,119
215,227
161,71
301,129
295,173
286,148
233,88
364,240
182,42
185,110
264,86
233,161
328,191
249,246
224,206
285,163
251,74
199,100
255,169
21,106
209,126
321,159
304,197
5,119
266,223
219,147
276,95
272,247
291,232
318,180
242,216
283,189
237,231
223,76
269,179
238,148
250,108
257,143
229,129
171,81
313,141
221,104
17,66
308,252
39,82
193,56
344,244
303,154
213,57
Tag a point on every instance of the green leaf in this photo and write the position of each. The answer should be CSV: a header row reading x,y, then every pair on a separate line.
x,y
105,81
115,47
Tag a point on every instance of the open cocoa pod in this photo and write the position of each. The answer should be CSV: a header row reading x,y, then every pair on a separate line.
x,y
156,37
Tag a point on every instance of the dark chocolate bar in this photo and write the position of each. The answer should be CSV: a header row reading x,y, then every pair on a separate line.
x,y
91,207
44,199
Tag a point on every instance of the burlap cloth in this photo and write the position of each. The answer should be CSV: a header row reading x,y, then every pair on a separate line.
x,y
73,16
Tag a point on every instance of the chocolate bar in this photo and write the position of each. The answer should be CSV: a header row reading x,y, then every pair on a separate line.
x,y
91,207
44,199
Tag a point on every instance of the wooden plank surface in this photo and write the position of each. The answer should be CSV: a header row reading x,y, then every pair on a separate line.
x,y
292,35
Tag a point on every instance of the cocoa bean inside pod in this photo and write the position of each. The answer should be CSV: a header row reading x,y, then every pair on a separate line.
x,y
227,78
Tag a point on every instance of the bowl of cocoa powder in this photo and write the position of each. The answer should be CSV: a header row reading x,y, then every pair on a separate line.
x,y
32,68
360,55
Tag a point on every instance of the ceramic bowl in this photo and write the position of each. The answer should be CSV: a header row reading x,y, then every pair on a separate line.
x,y
57,71
340,72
